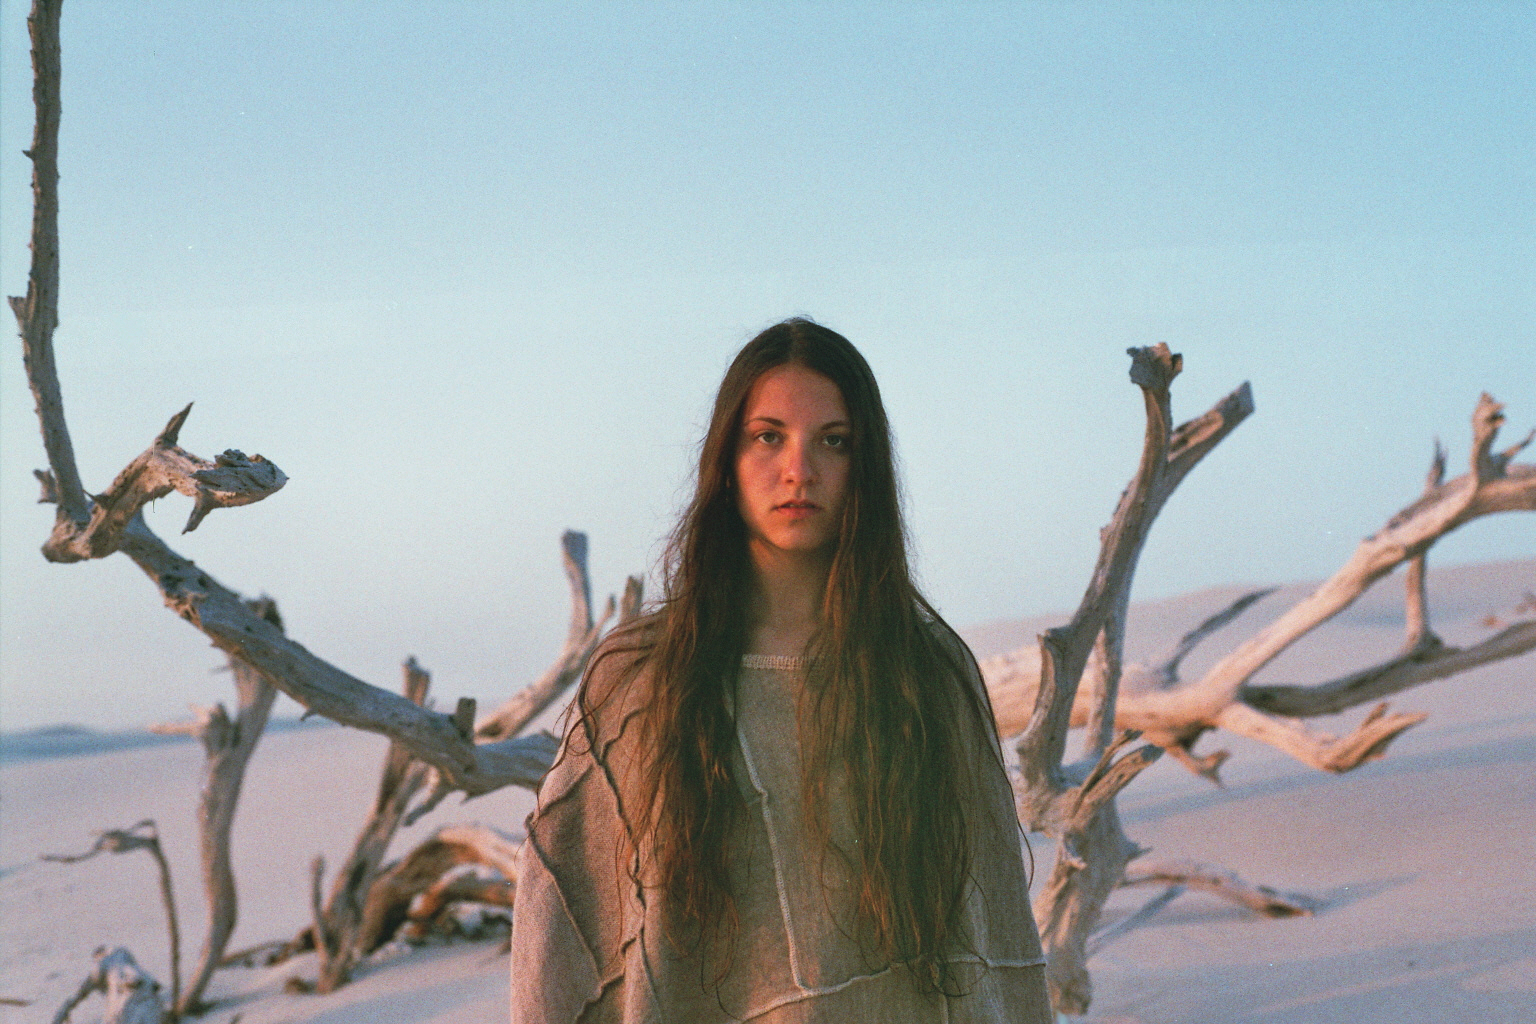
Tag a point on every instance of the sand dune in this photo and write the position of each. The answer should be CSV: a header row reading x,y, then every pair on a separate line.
x,y
1422,861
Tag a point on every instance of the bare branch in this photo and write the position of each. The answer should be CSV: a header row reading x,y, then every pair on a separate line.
x,y
1414,668
390,897
1168,667
141,836
1167,456
1071,901
1367,742
38,313
230,479
1436,475
1496,485
1107,781
632,601
1101,677
581,640
1416,607
401,778
324,942
430,905
1259,898
1093,850
1208,766
324,689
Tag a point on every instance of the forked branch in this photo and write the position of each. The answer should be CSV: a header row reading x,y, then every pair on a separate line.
x,y
141,836
1076,803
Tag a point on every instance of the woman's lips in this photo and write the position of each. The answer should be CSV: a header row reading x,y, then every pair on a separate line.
x,y
797,509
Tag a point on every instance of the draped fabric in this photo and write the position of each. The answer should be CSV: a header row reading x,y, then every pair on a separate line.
x,y
589,945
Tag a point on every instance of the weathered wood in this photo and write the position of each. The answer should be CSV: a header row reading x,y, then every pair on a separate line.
x,y
230,479
1493,484
425,867
1174,714
132,994
324,948
402,777
581,640
38,312
1075,803
228,746
428,908
1220,882
507,722
140,836
1392,676
1075,676
324,689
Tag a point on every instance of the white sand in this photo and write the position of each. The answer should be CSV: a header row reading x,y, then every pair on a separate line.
x,y
1423,860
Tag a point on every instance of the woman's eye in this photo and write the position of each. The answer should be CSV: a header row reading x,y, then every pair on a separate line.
x,y
835,441
768,436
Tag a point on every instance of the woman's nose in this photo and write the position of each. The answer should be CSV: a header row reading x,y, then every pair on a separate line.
x,y
799,467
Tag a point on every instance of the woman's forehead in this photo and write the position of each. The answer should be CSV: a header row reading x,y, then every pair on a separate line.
x,y
794,393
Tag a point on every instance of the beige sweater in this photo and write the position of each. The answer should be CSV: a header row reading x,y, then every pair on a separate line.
x,y
589,945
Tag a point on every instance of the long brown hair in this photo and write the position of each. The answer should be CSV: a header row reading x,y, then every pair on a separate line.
x,y
887,698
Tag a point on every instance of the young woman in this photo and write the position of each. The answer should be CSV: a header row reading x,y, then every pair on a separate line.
x,y
781,797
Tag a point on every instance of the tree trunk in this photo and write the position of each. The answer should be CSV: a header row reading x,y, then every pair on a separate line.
x,y
228,746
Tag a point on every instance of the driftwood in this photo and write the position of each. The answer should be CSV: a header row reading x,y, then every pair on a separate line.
x,y
335,929
93,527
432,906
228,746
431,867
1075,802
1183,874
581,640
346,929
506,723
132,995
142,836
1153,701
1076,678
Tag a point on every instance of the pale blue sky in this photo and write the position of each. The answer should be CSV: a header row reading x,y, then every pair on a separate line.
x,y
469,273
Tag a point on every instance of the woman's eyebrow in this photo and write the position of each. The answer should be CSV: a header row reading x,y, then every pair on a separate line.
x,y
830,425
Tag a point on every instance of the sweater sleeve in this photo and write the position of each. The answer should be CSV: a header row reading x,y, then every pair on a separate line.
x,y
577,911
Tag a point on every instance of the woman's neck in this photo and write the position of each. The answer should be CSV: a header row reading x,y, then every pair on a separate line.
x,y
784,604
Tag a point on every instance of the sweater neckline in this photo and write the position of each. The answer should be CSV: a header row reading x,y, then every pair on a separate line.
x,y
775,662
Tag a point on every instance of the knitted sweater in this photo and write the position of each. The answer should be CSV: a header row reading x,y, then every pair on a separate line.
x,y
589,945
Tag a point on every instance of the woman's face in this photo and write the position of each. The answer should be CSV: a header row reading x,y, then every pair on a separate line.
x,y
792,460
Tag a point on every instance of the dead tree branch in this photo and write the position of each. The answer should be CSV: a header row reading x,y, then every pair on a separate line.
x,y
426,868
1493,484
230,479
1174,715
38,312
326,690
1076,677
507,722
132,995
1392,676
581,640
86,528
141,836
1075,802
402,777
1219,882
228,746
